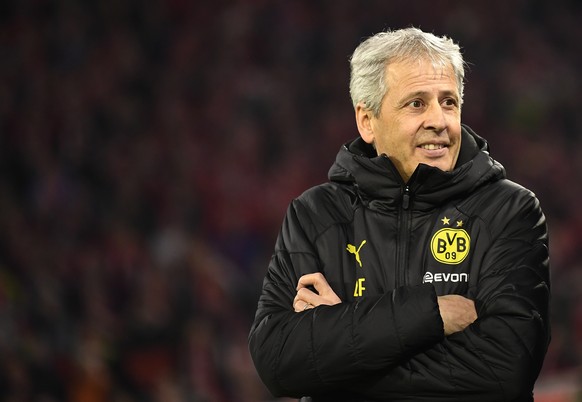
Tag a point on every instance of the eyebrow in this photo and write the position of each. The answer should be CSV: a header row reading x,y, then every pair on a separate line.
x,y
421,94
445,94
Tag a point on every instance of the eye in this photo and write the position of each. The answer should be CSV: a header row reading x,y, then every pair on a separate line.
x,y
415,104
450,102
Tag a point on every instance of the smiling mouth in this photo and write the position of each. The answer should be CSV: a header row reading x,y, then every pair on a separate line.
x,y
432,147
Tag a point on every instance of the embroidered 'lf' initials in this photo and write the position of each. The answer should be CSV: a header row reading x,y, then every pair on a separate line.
x,y
359,289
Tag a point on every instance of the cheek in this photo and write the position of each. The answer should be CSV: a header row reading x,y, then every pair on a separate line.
x,y
403,150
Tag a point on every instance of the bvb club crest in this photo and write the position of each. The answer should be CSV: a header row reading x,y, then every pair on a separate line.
x,y
450,245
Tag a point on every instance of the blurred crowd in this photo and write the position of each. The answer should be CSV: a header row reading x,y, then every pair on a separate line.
x,y
148,151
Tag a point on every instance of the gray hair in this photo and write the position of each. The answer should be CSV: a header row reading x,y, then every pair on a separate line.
x,y
369,60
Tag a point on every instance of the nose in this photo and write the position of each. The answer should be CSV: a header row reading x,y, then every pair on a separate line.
x,y
435,118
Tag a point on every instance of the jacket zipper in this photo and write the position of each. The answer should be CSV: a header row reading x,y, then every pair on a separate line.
x,y
403,237
406,198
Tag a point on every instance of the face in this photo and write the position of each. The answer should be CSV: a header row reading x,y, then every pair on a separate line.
x,y
419,120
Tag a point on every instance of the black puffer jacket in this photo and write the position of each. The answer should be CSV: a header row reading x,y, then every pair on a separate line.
x,y
388,249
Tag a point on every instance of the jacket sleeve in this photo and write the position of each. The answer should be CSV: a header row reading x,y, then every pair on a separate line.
x,y
316,351
497,358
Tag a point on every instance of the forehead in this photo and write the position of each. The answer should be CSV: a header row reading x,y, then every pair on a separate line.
x,y
405,76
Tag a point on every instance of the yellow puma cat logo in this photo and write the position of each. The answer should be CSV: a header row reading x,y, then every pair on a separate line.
x,y
356,251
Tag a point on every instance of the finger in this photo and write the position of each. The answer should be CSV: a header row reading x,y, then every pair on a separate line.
x,y
306,294
317,282
324,295
296,303
315,279
315,299
300,305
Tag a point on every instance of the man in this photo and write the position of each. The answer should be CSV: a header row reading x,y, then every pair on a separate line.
x,y
419,272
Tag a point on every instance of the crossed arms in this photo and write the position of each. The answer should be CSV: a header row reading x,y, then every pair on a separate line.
x,y
408,341
456,311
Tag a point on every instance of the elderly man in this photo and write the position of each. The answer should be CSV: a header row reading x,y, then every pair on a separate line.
x,y
418,272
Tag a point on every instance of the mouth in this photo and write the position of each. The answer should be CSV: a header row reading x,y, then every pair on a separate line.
x,y
433,150
432,147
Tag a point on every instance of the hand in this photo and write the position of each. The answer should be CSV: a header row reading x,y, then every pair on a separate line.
x,y
457,312
307,299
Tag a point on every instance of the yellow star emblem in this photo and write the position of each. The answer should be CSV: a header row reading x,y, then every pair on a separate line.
x,y
445,220
459,224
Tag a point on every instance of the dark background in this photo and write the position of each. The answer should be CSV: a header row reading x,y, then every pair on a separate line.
x,y
149,149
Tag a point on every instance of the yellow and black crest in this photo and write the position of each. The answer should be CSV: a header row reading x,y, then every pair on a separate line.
x,y
450,245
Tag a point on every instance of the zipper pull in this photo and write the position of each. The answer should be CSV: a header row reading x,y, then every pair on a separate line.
x,y
406,198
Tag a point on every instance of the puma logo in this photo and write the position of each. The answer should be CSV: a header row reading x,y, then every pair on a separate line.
x,y
356,251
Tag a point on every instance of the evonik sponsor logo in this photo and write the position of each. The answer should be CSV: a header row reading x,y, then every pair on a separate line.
x,y
429,277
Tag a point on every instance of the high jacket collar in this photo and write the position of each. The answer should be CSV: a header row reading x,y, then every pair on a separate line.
x,y
379,184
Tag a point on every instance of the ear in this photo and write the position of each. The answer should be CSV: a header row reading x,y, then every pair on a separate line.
x,y
364,122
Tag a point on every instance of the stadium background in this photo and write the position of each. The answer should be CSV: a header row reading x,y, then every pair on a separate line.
x,y
148,151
